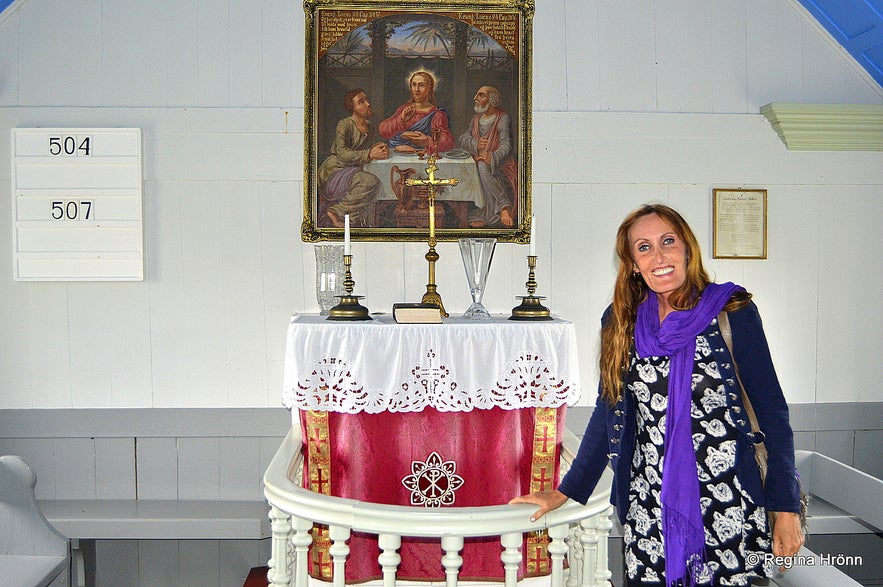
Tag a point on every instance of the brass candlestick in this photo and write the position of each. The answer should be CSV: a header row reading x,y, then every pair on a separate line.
x,y
349,307
432,296
531,308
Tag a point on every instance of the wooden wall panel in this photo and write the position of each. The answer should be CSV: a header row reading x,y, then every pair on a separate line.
x,y
165,278
49,346
159,563
242,291
849,323
245,56
281,54
9,58
551,31
157,468
682,37
285,285
199,475
117,562
773,38
580,86
203,303
115,468
728,69
59,53
74,468
184,342
213,50
199,562
240,469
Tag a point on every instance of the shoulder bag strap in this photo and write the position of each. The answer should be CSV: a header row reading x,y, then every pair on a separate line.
x,y
723,322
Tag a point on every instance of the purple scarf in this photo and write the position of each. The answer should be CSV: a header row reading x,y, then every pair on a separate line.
x,y
682,528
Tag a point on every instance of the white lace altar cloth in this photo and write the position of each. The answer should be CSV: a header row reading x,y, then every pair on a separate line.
x,y
380,366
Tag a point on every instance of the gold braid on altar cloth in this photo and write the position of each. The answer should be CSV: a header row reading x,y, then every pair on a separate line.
x,y
542,478
319,472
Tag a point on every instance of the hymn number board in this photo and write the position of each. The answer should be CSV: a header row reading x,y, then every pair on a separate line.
x,y
77,210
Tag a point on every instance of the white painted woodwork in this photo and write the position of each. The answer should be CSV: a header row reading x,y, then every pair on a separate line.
x,y
145,519
630,105
77,208
32,552
827,127
620,117
295,509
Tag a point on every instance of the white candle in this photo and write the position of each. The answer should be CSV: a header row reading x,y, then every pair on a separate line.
x,y
346,234
533,236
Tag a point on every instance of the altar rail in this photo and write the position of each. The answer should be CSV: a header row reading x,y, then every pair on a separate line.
x,y
578,532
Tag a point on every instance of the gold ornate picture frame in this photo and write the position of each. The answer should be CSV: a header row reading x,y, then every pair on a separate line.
x,y
389,85
740,223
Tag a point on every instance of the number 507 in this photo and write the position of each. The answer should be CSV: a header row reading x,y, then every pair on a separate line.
x,y
71,210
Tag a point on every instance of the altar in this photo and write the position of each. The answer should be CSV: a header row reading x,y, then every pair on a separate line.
x,y
467,413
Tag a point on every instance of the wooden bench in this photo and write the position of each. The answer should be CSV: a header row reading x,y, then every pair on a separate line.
x,y
843,500
32,553
153,520
811,570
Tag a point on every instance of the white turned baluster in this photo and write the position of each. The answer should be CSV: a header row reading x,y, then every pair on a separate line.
x,y
602,564
589,540
301,539
557,550
339,550
575,558
389,558
511,556
452,561
280,523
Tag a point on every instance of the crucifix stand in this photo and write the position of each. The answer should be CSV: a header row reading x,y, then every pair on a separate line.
x,y
432,296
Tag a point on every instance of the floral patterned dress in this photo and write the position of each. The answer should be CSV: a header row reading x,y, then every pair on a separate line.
x,y
736,536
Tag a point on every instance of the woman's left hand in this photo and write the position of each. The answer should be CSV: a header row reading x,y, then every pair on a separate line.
x,y
787,534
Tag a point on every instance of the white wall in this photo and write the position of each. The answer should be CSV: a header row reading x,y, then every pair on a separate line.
x,y
653,101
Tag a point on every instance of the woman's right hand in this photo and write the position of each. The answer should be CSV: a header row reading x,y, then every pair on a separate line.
x,y
547,500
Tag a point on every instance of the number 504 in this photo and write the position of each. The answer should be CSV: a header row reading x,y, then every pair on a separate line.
x,y
71,210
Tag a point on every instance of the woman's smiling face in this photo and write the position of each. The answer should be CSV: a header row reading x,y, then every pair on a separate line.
x,y
659,254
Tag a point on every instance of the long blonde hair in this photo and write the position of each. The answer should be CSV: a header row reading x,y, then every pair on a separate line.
x,y
430,81
630,290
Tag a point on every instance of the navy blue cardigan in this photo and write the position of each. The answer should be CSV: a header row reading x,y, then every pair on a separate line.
x,y
610,434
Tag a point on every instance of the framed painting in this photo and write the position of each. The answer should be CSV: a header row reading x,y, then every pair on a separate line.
x,y
740,223
394,86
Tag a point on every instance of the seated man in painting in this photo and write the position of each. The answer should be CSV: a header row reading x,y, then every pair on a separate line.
x,y
488,138
344,187
419,124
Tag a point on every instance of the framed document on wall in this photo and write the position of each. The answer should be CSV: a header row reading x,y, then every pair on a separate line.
x,y
389,85
740,223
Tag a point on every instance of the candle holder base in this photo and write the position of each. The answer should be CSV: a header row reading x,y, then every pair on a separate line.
x,y
531,308
432,297
349,308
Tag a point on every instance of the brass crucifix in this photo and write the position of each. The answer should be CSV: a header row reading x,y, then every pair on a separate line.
x,y
432,296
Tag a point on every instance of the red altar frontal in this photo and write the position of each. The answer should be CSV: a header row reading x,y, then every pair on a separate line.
x,y
467,413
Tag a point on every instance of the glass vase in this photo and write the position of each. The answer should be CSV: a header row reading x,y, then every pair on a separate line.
x,y
329,275
477,254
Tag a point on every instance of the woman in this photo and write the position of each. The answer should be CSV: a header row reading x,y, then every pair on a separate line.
x,y
668,389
